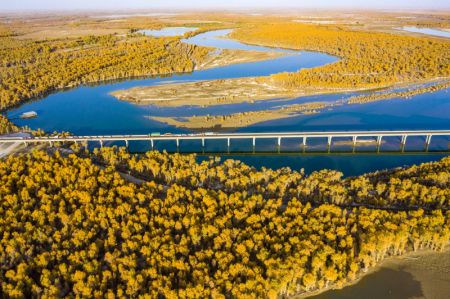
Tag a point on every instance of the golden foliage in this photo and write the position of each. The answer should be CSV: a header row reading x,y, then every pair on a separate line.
x,y
69,227
31,69
367,58
6,126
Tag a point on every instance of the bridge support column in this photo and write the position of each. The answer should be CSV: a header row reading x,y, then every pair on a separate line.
x,y
403,142
203,142
379,138
126,143
404,139
101,143
427,142
355,138
304,141
178,142
228,143
254,142
152,143
330,139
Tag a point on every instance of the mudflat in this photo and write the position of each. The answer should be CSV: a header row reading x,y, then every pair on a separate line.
x,y
422,274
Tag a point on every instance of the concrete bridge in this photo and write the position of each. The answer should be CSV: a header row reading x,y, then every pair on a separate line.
x,y
355,136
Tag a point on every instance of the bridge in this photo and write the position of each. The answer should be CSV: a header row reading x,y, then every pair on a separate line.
x,y
375,137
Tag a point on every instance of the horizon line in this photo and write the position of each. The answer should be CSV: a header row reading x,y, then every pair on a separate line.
x,y
233,9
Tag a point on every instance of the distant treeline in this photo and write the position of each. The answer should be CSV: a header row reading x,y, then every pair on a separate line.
x,y
367,58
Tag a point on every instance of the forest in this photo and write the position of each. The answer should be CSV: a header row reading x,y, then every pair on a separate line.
x,y
368,59
109,223
114,224
6,126
33,68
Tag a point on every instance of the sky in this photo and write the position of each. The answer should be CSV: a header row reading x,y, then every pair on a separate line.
x,y
211,4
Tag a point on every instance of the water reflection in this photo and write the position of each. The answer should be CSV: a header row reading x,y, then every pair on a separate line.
x,y
428,31
91,110
169,31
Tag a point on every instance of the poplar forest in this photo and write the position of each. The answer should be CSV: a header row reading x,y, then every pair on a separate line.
x,y
73,226
367,57
102,222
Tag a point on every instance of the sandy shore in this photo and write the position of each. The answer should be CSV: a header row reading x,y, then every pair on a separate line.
x,y
232,91
216,92
228,57
422,274
410,92
242,119
204,93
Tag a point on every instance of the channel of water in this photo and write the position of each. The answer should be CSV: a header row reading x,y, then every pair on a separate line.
x,y
91,110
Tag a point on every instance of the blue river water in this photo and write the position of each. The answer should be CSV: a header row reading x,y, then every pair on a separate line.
x,y
170,31
428,31
91,110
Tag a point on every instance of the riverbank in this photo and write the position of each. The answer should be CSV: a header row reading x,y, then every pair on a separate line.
x,y
242,119
228,57
406,94
233,93
216,92
422,274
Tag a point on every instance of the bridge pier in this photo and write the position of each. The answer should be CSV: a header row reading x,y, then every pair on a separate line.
x,y
178,142
126,143
355,138
404,139
101,143
427,142
403,142
304,142
379,138
203,142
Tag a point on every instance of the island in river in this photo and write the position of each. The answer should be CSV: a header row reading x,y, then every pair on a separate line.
x,y
206,93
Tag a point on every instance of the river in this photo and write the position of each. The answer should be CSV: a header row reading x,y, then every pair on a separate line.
x,y
91,110
427,31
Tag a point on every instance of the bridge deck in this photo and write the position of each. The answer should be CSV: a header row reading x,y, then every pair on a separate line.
x,y
353,134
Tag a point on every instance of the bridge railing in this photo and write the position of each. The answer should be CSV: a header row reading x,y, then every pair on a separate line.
x,y
304,136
